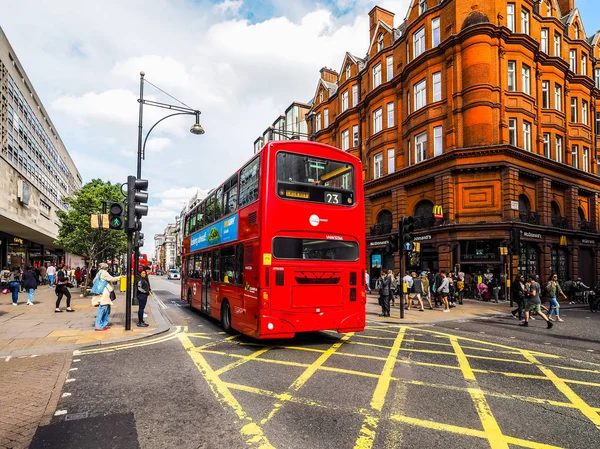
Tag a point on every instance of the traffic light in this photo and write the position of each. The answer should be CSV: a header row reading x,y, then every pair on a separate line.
x,y
138,241
515,241
116,218
136,195
394,242
407,228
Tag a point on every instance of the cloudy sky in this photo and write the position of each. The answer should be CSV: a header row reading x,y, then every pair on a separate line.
x,y
240,62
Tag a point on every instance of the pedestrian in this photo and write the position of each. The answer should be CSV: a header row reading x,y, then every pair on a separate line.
x,y
77,276
143,291
368,282
105,299
519,293
384,293
407,281
460,287
451,290
30,283
416,290
84,275
444,290
534,302
578,288
93,273
553,290
14,283
426,292
62,289
51,272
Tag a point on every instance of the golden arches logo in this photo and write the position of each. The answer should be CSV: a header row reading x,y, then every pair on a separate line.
x,y
438,211
563,240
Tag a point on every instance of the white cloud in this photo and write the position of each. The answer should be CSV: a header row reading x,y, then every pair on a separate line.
x,y
157,144
228,6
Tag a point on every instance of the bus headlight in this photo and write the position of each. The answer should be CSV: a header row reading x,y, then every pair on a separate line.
x,y
270,326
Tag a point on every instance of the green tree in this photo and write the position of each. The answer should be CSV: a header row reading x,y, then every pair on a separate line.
x,y
76,234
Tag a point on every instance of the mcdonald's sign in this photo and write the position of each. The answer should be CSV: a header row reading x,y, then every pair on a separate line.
x,y
438,212
563,240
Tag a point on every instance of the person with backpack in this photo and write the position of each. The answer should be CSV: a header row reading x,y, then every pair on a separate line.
x,y
519,293
30,284
62,289
553,290
106,296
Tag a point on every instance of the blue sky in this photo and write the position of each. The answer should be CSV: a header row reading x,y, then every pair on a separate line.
x,y
241,62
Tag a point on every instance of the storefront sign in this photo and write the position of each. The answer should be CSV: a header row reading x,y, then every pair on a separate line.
x,y
378,244
17,240
514,205
479,256
532,235
588,242
438,212
422,238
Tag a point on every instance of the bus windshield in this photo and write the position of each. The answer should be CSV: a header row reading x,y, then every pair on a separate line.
x,y
314,249
302,177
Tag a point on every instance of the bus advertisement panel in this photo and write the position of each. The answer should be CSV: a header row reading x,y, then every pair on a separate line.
x,y
279,248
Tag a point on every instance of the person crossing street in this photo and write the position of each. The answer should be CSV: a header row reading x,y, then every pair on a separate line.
x,y
534,302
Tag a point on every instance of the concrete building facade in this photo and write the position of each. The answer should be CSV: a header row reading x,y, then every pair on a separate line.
x,y
36,170
486,113
289,125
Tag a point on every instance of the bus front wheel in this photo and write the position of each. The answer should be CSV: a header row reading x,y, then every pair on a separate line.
x,y
226,317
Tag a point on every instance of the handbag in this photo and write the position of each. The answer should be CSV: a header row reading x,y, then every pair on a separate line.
x,y
5,291
99,286
113,296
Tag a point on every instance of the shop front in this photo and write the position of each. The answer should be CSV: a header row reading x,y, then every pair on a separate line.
x,y
587,262
529,257
19,252
482,257
379,257
427,257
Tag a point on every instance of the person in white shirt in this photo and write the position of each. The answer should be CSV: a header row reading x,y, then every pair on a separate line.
x,y
51,272
408,282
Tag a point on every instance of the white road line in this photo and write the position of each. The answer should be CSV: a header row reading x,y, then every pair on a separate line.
x,y
73,369
77,360
8,358
65,395
70,380
60,412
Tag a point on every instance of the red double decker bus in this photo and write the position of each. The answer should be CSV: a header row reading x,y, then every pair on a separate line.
x,y
279,248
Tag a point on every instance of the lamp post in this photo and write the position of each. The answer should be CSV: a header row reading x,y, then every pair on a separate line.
x,y
141,155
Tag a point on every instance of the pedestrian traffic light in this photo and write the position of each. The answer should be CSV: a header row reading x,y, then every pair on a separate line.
x,y
407,227
138,241
136,195
116,218
394,242
515,241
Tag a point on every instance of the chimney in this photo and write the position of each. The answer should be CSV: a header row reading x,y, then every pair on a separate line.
x,y
566,6
377,14
329,75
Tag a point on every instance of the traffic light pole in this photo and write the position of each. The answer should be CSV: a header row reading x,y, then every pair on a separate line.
x,y
128,283
402,269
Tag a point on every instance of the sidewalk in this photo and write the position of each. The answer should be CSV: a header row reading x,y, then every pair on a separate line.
x,y
471,308
28,330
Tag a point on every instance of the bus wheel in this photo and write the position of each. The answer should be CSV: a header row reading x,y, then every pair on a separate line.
x,y
226,317
189,298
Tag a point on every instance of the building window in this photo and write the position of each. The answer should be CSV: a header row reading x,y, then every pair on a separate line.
x,y
545,94
547,145
548,8
584,64
325,118
345,140
376,76
512,131
390,115
321,97
510,16
524,21
572,59
420,147
575,31
347,71
344,100
598,123
512,78
422,6
435,32
391,161
380,42
558,97
527,136
586,159
318,122
437,86
45,209
389,68
575,156
355,136
407,51
544,40
597,78
437,141
525,71
559,149
355,95
419,42
378,166
408,102
420,94
377,121
584,112
557,39
574,110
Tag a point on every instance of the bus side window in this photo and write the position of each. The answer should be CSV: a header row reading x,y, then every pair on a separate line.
x,y
239,264
197,266
219,204
227,259
190,267
215,266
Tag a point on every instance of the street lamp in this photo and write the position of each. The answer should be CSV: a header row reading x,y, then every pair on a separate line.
x,y
141,154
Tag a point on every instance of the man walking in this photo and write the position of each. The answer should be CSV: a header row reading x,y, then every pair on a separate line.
x,y
534,302
50,272
407,285
444,290
416,290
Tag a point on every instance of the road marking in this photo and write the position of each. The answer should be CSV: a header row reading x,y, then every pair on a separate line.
x,y
133,344
246,359
60,412
65,395
561,386
76,360
73,369
368,431
70,380
488,421
251,431
8,358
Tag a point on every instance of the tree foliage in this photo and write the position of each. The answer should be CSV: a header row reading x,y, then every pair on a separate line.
x,y
76,234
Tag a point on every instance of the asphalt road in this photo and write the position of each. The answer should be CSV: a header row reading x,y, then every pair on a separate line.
x,y
463,384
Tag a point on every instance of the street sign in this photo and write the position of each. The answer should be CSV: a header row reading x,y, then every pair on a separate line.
x,y
408,246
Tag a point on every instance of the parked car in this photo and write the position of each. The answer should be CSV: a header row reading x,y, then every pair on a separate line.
x,y
173,274
160,272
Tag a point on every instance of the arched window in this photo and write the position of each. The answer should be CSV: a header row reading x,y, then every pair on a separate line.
x,y
380,42
575,31
384,223
321,97
554,210
549,8
348,71
581,216
524,204
424,215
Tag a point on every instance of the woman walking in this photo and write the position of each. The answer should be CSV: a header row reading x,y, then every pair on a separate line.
x,y
426,292
77,276
30,284
143,291
62,289
553,290
105,299
14,283
518,290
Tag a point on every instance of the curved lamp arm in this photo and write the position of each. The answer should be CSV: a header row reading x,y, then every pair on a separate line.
x,y
153,126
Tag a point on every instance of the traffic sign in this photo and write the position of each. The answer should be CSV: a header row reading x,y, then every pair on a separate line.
x,y
408,246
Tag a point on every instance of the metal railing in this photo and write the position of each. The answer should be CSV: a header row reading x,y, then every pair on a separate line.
x,y
560,222
381,229
529,217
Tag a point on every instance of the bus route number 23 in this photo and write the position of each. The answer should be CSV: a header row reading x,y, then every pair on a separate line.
x,y
332,198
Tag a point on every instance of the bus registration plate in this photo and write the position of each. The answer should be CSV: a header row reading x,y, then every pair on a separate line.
x,y
294,194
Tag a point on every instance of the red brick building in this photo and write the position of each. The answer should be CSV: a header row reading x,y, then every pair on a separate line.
x,y
490,110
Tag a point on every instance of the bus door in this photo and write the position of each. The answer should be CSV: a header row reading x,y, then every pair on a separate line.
x,y
247,258
206,281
